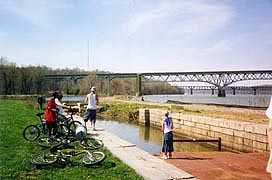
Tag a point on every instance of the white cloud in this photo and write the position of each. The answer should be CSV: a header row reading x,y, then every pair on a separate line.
x,y
38,13
182,17
221,46
142,19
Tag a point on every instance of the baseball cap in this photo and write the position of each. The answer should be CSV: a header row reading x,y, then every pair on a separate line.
x,y
93,88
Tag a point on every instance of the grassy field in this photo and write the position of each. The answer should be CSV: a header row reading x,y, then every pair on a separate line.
x,y
15,152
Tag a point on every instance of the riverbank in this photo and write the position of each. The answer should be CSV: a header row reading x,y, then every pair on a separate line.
x,y
16,153
120,107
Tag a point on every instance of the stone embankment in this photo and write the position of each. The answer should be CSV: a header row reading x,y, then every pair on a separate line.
x,y
240,129
235,135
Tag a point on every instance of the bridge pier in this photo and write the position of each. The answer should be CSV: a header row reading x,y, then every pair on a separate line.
x,y
108,83
221,92
139,85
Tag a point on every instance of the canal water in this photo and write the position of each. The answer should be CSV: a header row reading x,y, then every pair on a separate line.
x,y
149,138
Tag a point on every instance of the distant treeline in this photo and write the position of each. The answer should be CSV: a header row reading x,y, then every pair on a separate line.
x,y
29,80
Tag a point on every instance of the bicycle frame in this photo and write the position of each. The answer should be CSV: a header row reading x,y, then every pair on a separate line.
x,y
90,158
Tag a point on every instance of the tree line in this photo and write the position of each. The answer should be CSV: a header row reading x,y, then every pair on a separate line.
x,y
27,80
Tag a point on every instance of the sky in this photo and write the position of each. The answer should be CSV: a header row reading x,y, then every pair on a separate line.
x,y
138,35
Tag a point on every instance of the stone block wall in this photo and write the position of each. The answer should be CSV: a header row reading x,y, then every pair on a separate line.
x,y
236,135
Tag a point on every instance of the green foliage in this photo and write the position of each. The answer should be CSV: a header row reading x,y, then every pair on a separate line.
x,y
161,88
29,80
15,152
124,110
126,107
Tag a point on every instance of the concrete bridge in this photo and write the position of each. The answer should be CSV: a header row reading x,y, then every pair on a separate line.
x,y
73,77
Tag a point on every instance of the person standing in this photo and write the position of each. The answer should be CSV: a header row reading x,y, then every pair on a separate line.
x,y
41,100
90,114
269,134
51,115
61,106
167,143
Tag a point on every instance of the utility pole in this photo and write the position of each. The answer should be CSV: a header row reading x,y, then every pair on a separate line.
x,y
88,60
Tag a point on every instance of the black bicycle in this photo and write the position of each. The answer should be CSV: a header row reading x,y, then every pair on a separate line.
x,y
69,121
33,132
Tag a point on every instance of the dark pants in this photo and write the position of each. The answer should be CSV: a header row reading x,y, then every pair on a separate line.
x,y
50,126
90,114
167,143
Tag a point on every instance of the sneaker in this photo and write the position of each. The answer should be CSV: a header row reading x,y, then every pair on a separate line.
x,y
170,157
164,157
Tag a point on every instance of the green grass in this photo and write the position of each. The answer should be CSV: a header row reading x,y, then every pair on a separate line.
x,y
15,152
122,110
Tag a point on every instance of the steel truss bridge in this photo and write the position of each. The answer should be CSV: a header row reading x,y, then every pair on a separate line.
x,y
229,89
219,79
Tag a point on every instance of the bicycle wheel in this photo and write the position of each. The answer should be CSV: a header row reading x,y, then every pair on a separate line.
x,y
43,159
31,133
91,143
72,127
48,142
93,158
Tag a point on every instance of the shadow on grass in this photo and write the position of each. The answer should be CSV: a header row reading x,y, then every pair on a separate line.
x,y
61,165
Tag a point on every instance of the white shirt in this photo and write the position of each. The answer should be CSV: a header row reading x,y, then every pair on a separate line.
x,y
91,101
58,103
167,128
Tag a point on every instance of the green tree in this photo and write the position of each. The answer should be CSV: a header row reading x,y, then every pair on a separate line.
x,y
8,76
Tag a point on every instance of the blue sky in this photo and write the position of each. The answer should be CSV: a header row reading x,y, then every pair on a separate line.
x,y
138,35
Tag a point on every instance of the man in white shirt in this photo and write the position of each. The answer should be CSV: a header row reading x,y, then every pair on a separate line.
x,y
90,114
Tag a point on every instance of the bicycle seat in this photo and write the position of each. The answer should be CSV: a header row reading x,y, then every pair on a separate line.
x,y
40,113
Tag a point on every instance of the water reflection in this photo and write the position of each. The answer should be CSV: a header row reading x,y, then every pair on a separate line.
x,y
148,138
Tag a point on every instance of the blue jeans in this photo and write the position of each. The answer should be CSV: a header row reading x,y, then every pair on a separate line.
x,y
167,143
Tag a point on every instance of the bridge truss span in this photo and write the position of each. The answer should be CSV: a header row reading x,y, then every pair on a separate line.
x,y
218,79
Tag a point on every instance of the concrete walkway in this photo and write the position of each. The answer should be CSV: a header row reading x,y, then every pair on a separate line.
x,y
144,163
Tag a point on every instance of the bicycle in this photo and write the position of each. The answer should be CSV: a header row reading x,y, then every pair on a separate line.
x,y
32,132
70,122
85,143
88,159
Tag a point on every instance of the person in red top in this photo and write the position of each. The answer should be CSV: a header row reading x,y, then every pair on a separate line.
x,y
51,115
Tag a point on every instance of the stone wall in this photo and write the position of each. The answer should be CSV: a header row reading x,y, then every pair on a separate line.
x,y
236,135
